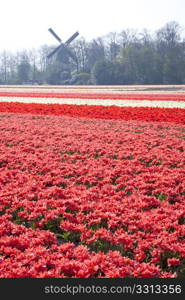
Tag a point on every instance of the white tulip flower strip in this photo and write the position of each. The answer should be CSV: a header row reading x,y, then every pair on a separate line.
x,y
103,102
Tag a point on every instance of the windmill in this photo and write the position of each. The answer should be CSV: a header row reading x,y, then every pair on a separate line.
x,y
63,47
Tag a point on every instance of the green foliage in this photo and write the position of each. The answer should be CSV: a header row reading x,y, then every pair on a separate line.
x,y
161,197
180,270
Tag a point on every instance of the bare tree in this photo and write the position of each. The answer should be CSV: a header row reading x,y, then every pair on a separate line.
x,y
128,37
80,49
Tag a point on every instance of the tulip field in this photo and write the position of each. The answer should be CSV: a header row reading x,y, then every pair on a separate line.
x,y
92,182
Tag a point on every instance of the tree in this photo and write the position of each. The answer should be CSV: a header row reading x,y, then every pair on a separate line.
x,y
95,52
103,72
169,35
112,46
128,37
170,53
53,73
80,49
4,66
24,68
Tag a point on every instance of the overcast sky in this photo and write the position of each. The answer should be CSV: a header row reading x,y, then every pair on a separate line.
x,y
24,24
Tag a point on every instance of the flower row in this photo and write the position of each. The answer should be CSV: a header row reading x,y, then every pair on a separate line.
x,y
95,95
174,115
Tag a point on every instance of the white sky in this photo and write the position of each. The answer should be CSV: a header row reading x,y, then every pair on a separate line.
x,y
24,24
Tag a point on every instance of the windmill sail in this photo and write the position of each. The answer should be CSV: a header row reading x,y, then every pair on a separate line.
x,y
54,34
72,38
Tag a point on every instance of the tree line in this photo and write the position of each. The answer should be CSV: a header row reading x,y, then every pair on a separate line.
x,y
128,57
